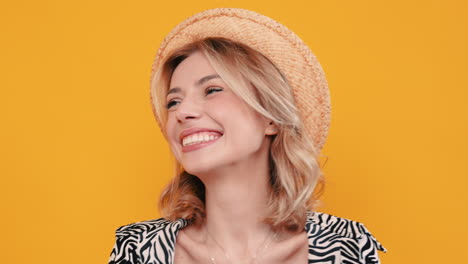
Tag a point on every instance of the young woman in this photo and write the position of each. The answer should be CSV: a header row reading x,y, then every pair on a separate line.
x,y
245,108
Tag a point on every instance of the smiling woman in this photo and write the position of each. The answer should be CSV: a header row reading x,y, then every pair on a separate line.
x,y
245,110
254,101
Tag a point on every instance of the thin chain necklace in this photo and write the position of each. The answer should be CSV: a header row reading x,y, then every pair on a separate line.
x,y
263,246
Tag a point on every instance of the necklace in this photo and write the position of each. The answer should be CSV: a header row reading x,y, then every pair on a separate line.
x,y
263,246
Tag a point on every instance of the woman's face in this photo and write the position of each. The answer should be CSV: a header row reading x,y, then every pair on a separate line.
x,y
208,126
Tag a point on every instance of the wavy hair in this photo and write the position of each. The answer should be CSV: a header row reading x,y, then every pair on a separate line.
x,y
293,161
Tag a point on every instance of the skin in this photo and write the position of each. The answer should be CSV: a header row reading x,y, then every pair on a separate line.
x,y
234,170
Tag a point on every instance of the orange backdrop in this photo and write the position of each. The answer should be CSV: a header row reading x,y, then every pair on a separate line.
x,y
82,155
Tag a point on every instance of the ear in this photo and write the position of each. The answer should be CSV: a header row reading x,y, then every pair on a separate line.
x,y
271,129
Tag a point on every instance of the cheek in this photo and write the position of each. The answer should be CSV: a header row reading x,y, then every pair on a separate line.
x,y
169,129
171,135
243,124
227,108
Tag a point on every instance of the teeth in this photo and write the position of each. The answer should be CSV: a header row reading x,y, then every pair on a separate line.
x,y
198,138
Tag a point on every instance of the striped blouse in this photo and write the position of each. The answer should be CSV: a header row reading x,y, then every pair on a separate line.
x,y
332,240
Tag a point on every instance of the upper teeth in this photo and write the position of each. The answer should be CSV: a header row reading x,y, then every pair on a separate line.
x,y
198,138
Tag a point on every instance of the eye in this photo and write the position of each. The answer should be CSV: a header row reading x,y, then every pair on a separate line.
x,y
212,89
171,104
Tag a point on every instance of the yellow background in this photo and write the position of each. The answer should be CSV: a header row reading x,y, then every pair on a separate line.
x,y
82,155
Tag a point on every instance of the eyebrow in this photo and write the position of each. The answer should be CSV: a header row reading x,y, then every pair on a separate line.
x,y
197,83
206,78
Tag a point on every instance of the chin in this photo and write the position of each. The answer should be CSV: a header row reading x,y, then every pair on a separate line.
x,y
199,172
199,167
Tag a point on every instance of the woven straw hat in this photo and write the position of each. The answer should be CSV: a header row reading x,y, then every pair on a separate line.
x,y
279,44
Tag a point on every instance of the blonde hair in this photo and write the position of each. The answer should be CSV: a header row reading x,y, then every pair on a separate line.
x,y
294,168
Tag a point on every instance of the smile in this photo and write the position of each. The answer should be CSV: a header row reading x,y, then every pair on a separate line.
x,y
198,138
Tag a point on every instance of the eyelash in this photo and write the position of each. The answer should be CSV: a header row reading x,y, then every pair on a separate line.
x,y
208,91
213,89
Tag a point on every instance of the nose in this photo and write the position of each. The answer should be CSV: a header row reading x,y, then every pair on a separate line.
x,y
188,110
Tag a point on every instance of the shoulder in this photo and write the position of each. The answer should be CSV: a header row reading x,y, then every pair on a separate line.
x,y
145,241
142,228
341,238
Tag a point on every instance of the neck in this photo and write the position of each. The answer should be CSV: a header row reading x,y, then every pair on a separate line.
x,y
236,201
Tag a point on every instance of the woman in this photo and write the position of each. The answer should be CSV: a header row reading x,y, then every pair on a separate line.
x,y
244,106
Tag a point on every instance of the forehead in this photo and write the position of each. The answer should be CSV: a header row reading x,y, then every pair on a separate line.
x,y
190,70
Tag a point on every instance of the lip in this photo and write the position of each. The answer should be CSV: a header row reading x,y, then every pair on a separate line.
x,y
194,130
198,146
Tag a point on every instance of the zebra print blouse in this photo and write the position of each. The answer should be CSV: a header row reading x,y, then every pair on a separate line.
x,y
332,240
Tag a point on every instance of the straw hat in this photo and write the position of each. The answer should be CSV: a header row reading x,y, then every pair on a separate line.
x,y
279,44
